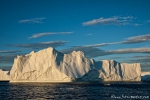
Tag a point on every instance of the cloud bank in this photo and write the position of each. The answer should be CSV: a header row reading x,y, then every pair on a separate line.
x,y
94,51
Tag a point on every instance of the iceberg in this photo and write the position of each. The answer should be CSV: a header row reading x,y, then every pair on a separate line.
x,y
49,65
4,75
110,70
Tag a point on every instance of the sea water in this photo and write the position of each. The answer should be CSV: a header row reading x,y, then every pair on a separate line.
x,y
75,91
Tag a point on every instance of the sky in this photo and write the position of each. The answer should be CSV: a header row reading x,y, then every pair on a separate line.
x,y
103,29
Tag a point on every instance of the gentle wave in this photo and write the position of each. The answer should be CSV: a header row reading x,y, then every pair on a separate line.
x,y
73,91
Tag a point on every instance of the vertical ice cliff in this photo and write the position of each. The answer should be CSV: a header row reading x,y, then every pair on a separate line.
x,y
49,65
4,75
110,70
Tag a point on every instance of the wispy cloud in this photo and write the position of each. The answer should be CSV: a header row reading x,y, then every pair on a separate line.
x,y
9,51
64,32
145,67
39,45
101,44
33,20
130,50
7,58
132,57
147,21
115,20
136,39
141,59
137,24
47,33
89,34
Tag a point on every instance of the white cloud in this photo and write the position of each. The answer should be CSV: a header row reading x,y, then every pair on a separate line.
x,y
33,20
101,44
47,33
115,20
41,34
100,21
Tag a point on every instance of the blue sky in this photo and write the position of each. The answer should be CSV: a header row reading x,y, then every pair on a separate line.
x,y
108,29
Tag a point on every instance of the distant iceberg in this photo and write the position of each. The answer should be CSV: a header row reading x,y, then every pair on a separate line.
x,y
145,76
49,65
4,75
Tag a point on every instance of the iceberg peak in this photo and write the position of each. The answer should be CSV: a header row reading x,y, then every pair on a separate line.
x,y
77,53
32,52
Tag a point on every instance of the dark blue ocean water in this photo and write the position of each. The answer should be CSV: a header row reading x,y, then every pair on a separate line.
x,y
74,91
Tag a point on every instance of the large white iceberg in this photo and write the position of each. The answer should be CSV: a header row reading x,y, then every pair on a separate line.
x,y
49,65
4,75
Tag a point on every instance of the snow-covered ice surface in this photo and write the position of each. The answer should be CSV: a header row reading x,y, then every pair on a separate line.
x,y
4,75
49,65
